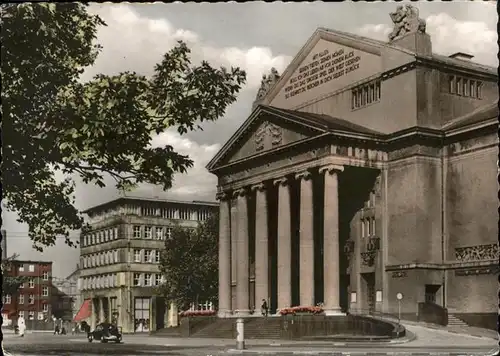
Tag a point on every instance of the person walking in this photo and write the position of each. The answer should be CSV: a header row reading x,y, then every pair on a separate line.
x,y
264,308
21,324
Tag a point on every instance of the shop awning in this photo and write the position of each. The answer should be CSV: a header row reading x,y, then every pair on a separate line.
x,y
85,311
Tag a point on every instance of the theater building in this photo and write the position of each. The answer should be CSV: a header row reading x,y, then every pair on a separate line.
x,y
366,169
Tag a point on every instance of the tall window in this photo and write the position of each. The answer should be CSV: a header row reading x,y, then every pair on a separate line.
x,y
158,279
21,314
8,299
157,256
40,315
31,283
148,279
459,86
367,227
21,299
169,232
31,315
479,87
148,232
159,233
137,232
137,279
363,233
45,308
373,226
31,299
147,256
31,268
115,233
21,268
137,255
115,252
451,84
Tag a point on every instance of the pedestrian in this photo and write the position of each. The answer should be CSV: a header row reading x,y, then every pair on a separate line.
x,y
264,308
21,324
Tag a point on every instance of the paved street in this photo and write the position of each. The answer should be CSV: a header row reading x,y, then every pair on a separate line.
x,y
428,341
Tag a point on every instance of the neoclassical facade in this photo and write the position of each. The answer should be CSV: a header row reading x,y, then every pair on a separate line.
x,y
365,170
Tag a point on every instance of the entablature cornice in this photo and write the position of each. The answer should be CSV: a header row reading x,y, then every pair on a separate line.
x,y
448,265
477,72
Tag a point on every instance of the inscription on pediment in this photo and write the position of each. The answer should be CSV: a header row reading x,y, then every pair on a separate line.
x,y
268,136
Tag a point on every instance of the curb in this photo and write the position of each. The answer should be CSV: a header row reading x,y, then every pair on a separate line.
x,y
348,353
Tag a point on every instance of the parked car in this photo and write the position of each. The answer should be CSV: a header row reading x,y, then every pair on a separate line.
x,y
105,332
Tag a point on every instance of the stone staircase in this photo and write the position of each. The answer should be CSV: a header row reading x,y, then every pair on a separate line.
x,y
454,321
255,328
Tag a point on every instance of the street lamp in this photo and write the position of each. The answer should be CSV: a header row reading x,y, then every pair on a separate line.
x,y
399,296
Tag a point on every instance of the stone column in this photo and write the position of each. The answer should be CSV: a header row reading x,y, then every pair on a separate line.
x,y
331,240
284,245
306,263
242,252
101,310
261,246
224,256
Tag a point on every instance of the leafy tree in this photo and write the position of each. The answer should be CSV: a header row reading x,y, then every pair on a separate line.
x,y
52,121
10,284
189,264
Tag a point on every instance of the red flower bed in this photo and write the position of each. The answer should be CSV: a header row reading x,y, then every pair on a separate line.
x,y
295,310
193,313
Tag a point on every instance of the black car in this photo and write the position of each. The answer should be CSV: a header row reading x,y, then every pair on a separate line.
x,y
105,332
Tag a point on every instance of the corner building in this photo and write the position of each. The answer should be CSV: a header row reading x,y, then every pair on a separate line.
x,y
120,258
365,170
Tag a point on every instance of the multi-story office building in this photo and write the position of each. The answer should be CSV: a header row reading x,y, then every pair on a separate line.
x,y
120,256
33,299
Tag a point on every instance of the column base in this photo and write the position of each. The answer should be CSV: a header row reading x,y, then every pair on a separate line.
x,y
333,312
240,345
224,314
241,313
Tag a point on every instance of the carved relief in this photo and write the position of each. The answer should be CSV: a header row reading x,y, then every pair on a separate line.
x,y
477,253
406,21
476,271
368,258
399,274
268,136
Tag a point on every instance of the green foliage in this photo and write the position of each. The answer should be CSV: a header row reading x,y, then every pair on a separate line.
x,y
189,264
54,122
11,284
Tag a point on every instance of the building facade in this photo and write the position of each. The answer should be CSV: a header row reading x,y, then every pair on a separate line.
x,y
66,296
367,169
120,258
33,299
4,245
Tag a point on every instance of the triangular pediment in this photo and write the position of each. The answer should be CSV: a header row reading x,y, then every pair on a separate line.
x,y
264,131
329,61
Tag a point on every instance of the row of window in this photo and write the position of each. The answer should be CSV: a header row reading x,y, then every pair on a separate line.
x,y
31,268
100,259
98,282
179,213
368,227
100,237
365,94
149,232
31,313
147,256
22,300
465,87
147,279
31,282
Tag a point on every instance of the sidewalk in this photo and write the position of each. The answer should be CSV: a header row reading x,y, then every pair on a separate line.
x,y
461,330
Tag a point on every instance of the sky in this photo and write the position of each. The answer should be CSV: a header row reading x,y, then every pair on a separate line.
x,y
254,36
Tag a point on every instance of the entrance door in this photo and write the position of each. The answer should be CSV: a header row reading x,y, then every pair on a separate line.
x,y
369,284
141,313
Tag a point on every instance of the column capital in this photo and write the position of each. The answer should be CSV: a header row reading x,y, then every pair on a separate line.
x,y
305,175
331,168
260,187
223,196
242,192
281,181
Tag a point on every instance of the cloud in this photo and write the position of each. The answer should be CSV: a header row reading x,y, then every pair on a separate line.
x,y
449,35
134,43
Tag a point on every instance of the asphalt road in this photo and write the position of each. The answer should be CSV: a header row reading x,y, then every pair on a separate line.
x,y
68,345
